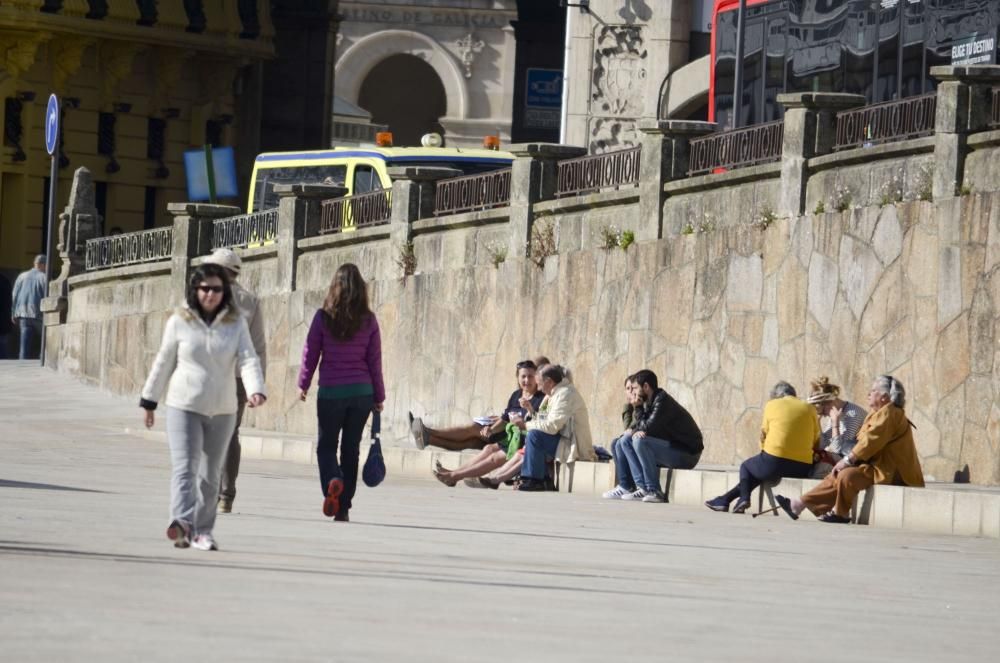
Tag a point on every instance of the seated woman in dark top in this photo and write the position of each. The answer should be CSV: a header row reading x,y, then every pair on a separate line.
x,y
475,435
494,454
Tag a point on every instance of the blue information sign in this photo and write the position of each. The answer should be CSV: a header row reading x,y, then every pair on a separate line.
x,y
52,124
223,169
544,88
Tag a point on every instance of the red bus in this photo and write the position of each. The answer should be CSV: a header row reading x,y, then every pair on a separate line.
x,y
882,49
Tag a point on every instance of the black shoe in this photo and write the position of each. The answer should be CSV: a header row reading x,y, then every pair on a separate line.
x,y
786,506
831,517
718,504
531,485
741,506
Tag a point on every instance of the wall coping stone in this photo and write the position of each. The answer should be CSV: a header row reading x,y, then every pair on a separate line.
x,y
141,270
422,173
202,210
358,236
982,139
873,153
979,73
766,171
821,100
486,217
588,201
547,150
677,127
311,191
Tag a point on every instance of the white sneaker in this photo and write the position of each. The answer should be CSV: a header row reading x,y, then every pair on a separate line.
x,y
638,494
654,496
204,542
616,493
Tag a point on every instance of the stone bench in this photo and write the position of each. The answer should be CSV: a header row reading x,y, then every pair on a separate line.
x,y
940,508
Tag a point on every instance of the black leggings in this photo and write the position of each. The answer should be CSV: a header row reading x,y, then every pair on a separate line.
x,y
341,423
762,468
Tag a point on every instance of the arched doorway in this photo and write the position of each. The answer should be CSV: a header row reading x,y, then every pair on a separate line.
x,y
405,93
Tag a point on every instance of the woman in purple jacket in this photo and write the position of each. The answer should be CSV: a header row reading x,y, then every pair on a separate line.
x,y
344,341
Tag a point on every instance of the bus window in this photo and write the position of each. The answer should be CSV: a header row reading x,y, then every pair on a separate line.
x,y
887,65
365,180
912,43
859,48
774,69
264,196
725,67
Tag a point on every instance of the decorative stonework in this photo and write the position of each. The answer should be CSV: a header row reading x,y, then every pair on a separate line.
x,y
617,87
468,47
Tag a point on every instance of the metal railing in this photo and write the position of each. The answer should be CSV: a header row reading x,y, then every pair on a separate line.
x,y
738,148
129,248
886,122
360,211
245,229
995,116
472,192
589,174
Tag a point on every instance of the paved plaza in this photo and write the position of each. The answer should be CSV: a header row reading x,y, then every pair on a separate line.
x,y
427,573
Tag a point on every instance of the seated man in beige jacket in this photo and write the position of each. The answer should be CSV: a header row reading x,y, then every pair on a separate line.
x,y
565,416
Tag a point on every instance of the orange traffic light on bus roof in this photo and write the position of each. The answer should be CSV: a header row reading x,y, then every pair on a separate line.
x,y
491,142
383,139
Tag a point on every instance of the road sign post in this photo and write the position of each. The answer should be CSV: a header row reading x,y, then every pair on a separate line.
x,y
52,119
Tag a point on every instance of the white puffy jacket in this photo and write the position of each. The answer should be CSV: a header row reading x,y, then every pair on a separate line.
x,y
198,360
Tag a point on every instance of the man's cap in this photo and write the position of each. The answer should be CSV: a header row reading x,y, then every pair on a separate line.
x,y
40,259
226,258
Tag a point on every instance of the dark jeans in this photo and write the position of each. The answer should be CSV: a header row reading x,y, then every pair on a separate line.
x,y
31,337
341,423
231,468
762,468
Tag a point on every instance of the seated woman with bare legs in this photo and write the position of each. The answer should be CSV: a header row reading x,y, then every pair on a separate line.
x,y
479,434
526,397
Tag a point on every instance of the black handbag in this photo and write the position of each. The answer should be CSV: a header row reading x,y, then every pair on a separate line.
x,y
373,472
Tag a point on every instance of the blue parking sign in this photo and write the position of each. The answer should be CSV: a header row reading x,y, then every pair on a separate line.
x,y
544,88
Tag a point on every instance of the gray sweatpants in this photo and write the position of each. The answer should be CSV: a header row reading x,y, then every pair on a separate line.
x,y
197,447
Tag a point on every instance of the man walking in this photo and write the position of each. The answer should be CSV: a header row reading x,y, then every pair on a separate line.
x,y
29,289
249,307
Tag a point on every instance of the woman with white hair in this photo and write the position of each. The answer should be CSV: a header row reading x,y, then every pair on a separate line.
x,y
885,454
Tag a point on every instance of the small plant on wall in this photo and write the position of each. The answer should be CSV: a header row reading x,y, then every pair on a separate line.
x,y
891,192
820,208
764,218
543,243
626,239
407,260
925,183
498,253
609,237
842,199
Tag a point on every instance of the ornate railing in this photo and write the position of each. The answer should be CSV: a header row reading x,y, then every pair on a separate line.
x,y
738,148
472,192
995,117
912,117
610,170
129,248
366,209
245,229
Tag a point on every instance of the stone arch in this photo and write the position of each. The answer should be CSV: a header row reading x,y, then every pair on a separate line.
x,y
353,66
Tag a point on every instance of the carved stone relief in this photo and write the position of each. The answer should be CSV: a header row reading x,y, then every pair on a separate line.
x,y
617,87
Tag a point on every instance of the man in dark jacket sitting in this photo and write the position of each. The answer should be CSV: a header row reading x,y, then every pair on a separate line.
x,y
664,435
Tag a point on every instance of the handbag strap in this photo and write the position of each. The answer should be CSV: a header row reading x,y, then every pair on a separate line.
x,y
376,425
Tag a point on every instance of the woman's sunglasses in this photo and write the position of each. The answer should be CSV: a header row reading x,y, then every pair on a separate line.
x,y
210,288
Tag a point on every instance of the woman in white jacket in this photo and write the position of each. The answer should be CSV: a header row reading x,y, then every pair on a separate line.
x,y
202,344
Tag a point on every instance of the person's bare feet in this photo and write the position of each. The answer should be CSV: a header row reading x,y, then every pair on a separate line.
x,y
445,478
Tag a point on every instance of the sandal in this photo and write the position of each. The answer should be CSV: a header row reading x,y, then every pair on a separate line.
x,y
440,477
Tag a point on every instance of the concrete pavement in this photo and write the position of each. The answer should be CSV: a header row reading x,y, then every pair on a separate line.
x,y
426,573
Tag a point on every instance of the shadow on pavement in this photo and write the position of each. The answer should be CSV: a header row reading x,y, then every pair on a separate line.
x,y
7,483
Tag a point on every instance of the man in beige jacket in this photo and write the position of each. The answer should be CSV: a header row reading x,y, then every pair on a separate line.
x,y
249,307
564,417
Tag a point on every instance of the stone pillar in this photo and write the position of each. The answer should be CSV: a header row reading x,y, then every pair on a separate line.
x,y
78,222
664,158
192,237
533,178
810,130
299,216
413,190
964,101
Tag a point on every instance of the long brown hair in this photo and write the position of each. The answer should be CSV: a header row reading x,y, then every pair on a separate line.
x,y
346,303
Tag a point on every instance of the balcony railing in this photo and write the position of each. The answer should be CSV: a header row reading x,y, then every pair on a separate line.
x,y
360,211
472,192
995,116
245,229
886,122
589,174
738,148
129,248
